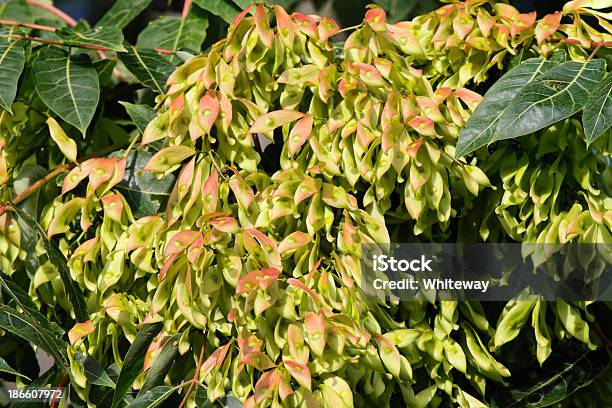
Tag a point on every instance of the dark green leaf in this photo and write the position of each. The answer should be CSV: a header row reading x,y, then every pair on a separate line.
x,y
12,58
24,303
105,68
27,176
161,366
141,114
108,37
29,329
5,368
148,67
122,12
45,379
132,365
174,33
222,8
69,88
563,374
94,372
553,96
480,128
153,398
140,187
16,10
597,115
201,399
75,295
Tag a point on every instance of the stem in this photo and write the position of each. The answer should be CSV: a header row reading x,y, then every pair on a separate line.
x,y
51,42
355,27
53,10
576,42
62,382
186,8
28,25
195,375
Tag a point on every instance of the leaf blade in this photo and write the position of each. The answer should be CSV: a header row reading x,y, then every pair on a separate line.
x,y
133,363
68,88
480,127
153,398
221,8
109,37
12,60
174,33
148,67
75,295
597,115
141,114
554,96
122,12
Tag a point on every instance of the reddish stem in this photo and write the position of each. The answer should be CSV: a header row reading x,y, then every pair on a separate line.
x,y
53,10
62,382
186,7
577,42
195,375
28,25
51,42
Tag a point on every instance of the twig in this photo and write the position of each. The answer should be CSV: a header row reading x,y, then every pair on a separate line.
x,y
53,10
195,375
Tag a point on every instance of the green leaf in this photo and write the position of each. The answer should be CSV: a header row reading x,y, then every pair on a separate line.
x,y
69,88
12,59
16,10
146,65
563,374
122,12
5,368
158,371
174,33
94,372
480,128
105,68
597,115
75,295
222,8
132,365
140,187
153,398
109,37
23,301
29,329
141,114
554,96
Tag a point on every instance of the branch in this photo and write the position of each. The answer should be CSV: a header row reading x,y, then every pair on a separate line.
x,y
53,10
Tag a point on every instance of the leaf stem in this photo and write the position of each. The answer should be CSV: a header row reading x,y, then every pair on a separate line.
x,y
195,374
28,25
53,10
52,42
186,7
